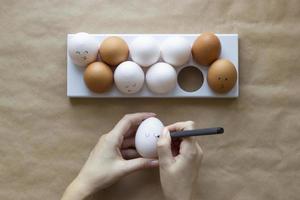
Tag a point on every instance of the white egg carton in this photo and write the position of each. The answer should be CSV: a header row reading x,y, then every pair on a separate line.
x,y
76,87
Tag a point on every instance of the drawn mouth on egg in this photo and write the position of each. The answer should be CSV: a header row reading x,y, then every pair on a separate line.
x,y
84,57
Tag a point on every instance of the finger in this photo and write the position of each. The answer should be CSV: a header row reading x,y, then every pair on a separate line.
x,y
164,148
128,143
106,142
128,121
179,126
131,132
200,152
129,154
140,163
188,148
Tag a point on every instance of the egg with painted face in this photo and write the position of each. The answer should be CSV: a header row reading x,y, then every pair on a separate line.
x,y
147,136
129,77
83,49
222,76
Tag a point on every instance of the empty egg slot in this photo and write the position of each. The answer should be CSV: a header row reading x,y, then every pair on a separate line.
x,y
190,79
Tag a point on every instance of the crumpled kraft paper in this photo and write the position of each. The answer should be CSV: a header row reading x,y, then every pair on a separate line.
x,y
46,137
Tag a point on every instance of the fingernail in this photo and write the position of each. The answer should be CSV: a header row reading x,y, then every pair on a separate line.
x,y
165,132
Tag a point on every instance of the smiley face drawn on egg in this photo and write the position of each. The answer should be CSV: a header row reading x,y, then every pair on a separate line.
x,y
222,81
131,86
83,55
82,49
222,76
129,77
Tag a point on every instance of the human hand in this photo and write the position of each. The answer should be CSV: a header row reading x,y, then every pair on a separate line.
x,y
113,157
179,163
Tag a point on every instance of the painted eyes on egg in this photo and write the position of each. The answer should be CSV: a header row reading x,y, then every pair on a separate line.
x,y
219,78
154,134
78,52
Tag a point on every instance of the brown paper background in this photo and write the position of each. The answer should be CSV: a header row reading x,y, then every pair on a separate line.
x,y
46,137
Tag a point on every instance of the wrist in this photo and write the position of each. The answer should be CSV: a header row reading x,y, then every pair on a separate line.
x,y
77,190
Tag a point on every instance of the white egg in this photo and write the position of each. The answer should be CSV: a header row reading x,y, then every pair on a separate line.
x,y
144,50
129,77
161,78
176,51
83,49
147,136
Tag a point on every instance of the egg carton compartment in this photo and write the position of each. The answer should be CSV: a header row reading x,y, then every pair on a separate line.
x,y
191,77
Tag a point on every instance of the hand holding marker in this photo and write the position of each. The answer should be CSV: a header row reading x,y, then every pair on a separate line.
x,y
149,131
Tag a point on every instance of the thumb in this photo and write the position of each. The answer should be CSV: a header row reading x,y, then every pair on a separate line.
x,y
140,163
164,148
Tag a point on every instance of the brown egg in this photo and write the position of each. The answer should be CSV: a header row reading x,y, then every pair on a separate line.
x,y
98,77
206,48
113,50
221,76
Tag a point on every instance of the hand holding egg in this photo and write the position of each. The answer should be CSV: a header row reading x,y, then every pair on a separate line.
x,y
111,158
